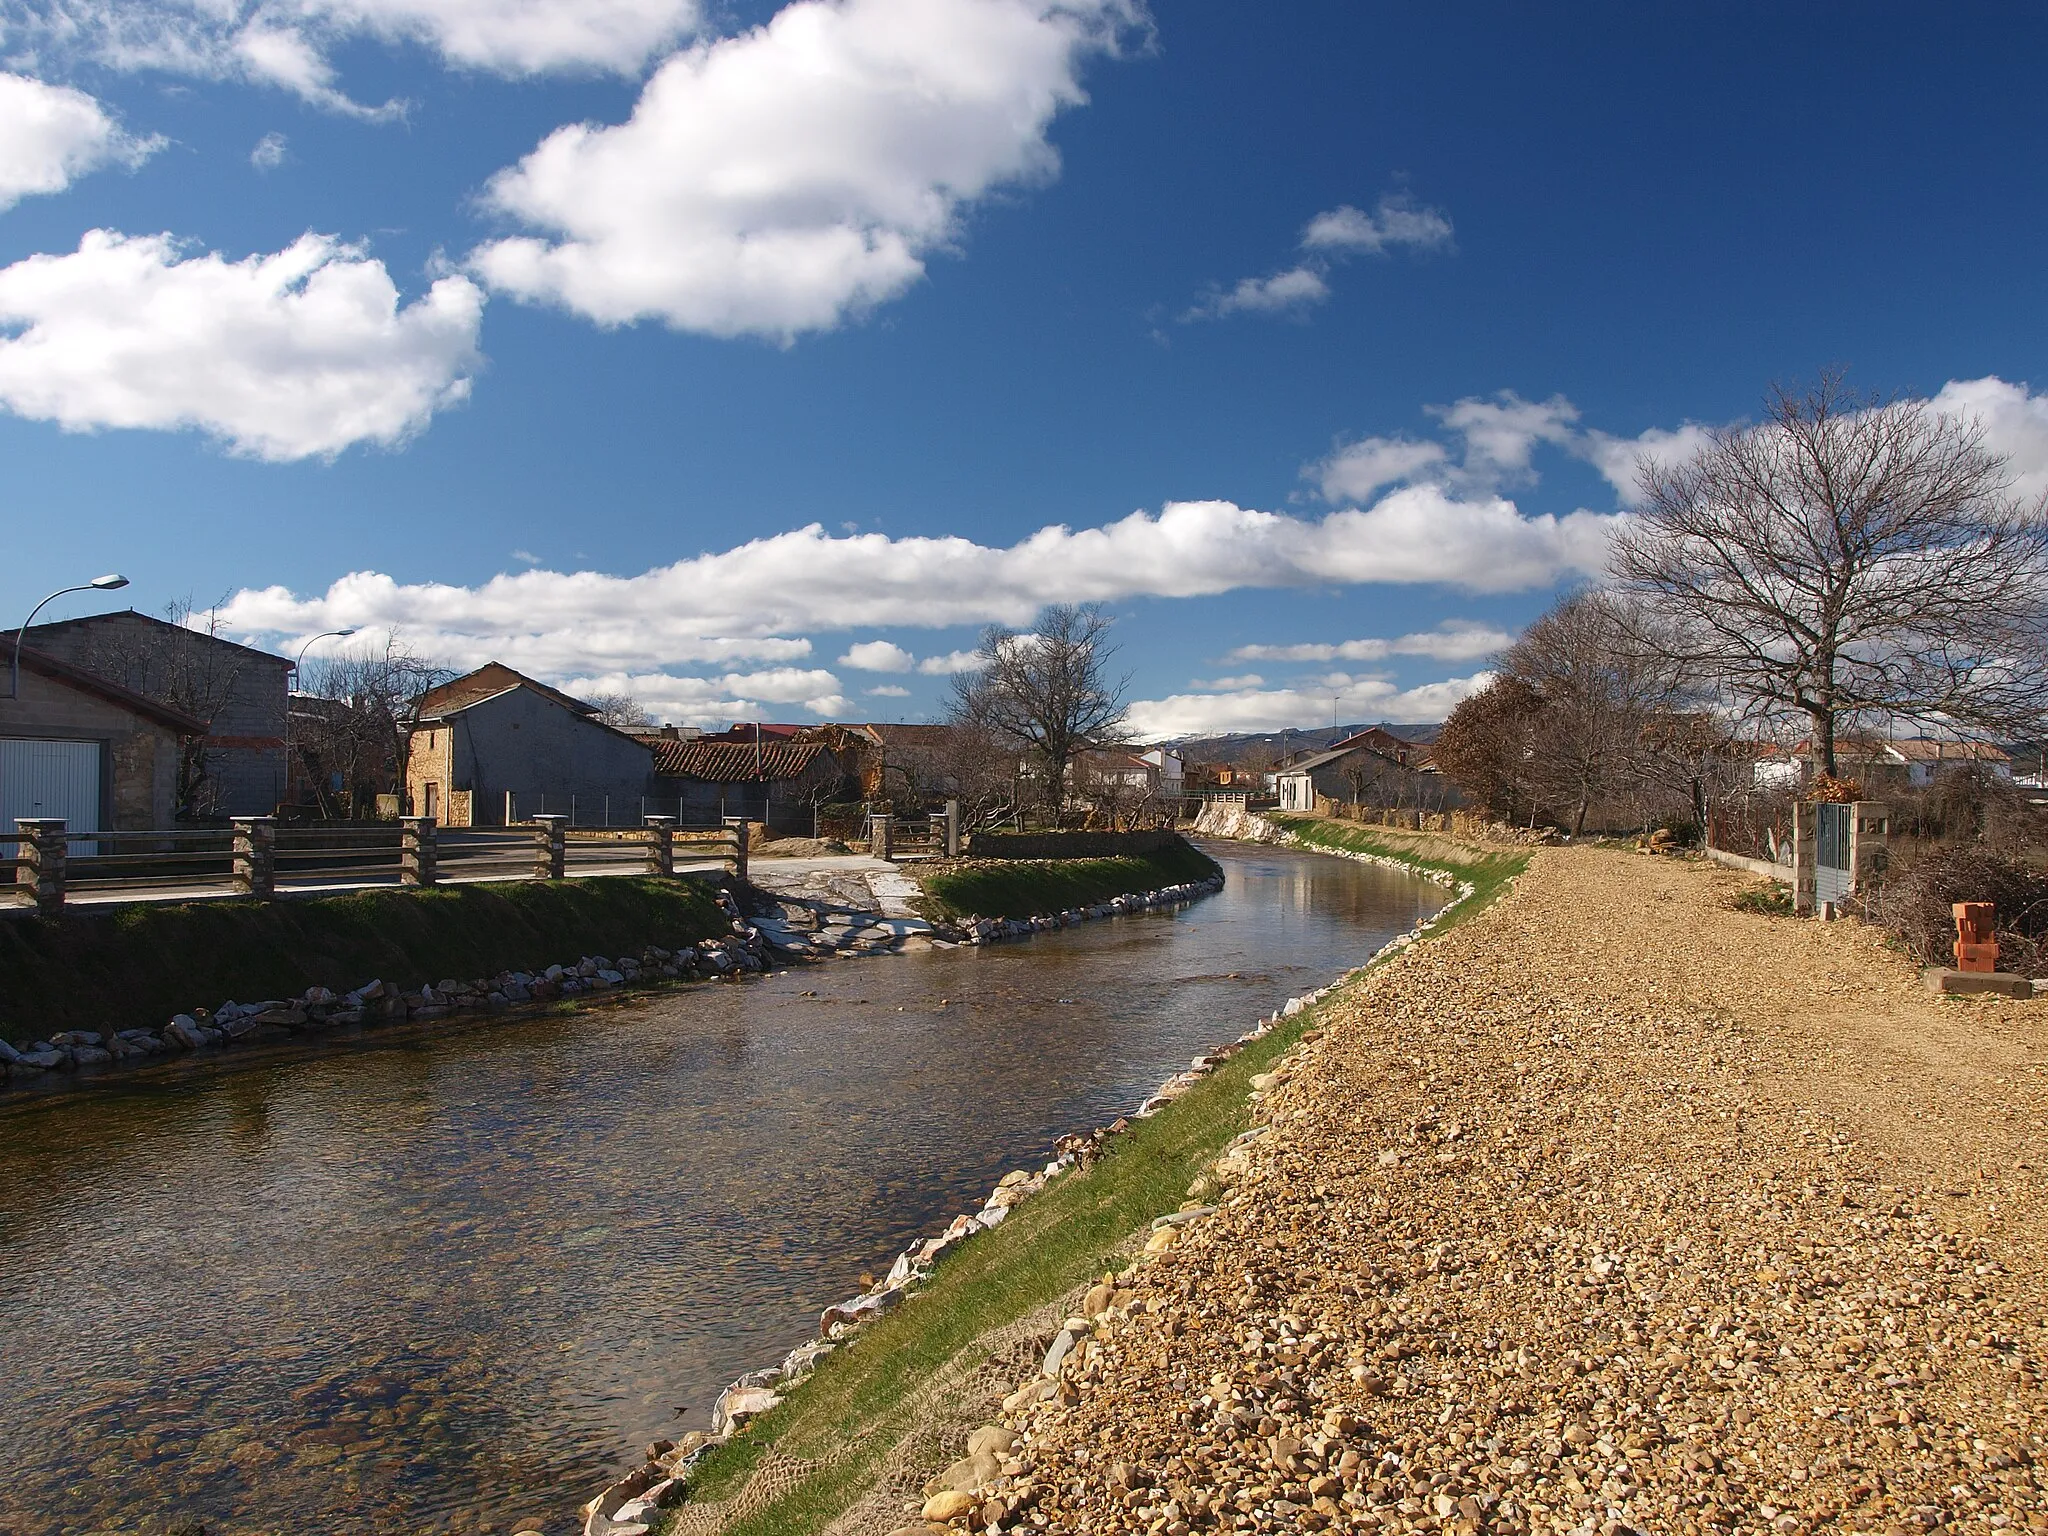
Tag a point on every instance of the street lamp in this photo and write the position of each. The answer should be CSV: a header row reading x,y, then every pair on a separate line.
x,y
97,584
332,634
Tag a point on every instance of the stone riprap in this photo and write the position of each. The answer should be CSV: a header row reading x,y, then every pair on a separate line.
x,y
1617,1210
320,1009
631,1506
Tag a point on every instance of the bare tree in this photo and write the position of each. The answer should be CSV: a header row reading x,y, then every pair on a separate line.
x,y
1487,747
367,703
1847,559
1046,692
621,711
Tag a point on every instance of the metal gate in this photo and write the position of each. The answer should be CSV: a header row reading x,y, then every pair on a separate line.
x,y
1832,877
40,778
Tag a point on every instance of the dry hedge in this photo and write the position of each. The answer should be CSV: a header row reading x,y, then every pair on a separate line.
x,y
1916,903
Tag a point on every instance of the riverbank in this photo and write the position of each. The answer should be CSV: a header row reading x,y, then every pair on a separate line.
x,y
867,1425
960,890
1615,1209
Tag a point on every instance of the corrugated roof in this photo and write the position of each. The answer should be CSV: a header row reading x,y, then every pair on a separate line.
x,y
732,762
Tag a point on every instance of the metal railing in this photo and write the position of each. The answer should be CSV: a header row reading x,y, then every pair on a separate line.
x,y
45,862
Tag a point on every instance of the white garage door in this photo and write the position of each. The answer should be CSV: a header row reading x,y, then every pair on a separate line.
x,y
50,778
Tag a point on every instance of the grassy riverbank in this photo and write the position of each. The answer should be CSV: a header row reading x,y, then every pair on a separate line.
x,y
134,967
1028,887
1487,870
864,1401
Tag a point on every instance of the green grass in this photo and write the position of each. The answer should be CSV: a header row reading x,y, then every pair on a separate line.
x,y
1028,887
866,1395
1768,899
1488,873
134,967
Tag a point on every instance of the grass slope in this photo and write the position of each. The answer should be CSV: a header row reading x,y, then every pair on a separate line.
x,y
1028,887
133,967
1487,871
1049,1245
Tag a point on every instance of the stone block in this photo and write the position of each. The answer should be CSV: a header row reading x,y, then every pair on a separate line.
x,y
2003,983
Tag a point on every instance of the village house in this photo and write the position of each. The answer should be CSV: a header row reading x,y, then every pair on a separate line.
x,y
778,782
494,747
1373,767
234,765
1880,766
77,747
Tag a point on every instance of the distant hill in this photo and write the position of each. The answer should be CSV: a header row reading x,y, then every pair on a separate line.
x,y
1236,748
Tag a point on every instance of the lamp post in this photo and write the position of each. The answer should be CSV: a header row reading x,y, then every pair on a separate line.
x,y
107,583
297,662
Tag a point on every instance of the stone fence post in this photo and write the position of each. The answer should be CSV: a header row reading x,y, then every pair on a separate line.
x,y
737,826
417,850
952,829
255,856
40,872
550,847
1805,844
661,845
881,835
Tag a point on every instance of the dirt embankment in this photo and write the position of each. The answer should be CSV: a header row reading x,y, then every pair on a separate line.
x,y
1616,1209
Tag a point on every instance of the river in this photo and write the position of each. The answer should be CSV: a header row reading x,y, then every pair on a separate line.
x,y
446,1279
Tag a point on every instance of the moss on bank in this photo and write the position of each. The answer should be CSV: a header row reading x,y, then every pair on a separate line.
x,y
134,967
1028,887
863,1400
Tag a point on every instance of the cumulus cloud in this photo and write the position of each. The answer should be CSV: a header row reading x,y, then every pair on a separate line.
x,y
2015,423
289,43
1289,292
1356,470
1496,438
887,691
951,662
743,600
777,182
269,152
1330,237
878,656
1398,221
1214,714
1231,684
284,356
706,701
50,135
1453,640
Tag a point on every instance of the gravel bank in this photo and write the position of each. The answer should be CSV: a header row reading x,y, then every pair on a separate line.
x,y
1614,1209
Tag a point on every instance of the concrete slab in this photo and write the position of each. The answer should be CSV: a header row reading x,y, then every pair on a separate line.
x,y
2002,983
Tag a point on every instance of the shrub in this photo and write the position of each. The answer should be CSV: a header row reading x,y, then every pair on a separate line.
x,y
1916,902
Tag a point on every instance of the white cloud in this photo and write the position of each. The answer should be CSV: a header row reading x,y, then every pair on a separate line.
x,y
888,691
1213,714
1399,220
50,135
289,43
1230,684
1453,640
951,662
282,356
269,152
1617,458
1288,292
1358,469
779,181
1501,435
878,656
2015,422
682,700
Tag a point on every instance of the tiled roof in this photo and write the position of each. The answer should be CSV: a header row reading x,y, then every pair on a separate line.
x,y
486,682
732,762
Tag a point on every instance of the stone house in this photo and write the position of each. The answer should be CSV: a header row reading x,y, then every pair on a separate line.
x,y
495,746
1374,767
76,746
235,766
779,783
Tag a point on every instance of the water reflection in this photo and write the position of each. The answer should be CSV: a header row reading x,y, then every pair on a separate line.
x,y
440,1281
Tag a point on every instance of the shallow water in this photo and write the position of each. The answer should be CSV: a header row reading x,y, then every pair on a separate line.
x,y
446,1279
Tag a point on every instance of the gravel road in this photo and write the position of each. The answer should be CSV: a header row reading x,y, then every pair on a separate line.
x,y
1616,1209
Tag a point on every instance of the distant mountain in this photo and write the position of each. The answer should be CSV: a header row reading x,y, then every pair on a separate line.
x,y
1238,747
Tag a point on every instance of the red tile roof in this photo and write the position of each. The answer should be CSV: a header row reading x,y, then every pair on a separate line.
x,y
732,762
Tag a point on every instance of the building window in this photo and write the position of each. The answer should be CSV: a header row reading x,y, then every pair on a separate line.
x,y
433,805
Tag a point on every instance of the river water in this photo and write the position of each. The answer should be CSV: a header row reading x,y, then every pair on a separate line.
x,y
445,1279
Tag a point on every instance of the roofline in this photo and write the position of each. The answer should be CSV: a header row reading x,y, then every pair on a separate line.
x,y
91,682
123,613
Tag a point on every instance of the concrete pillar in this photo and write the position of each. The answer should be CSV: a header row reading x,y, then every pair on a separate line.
x,y
40,872
1869,843
661,845
255,856
417,851
952,829
737,826
881,835
1805,843
550,847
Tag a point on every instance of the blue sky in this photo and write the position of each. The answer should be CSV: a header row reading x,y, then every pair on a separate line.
x,y
1346,322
